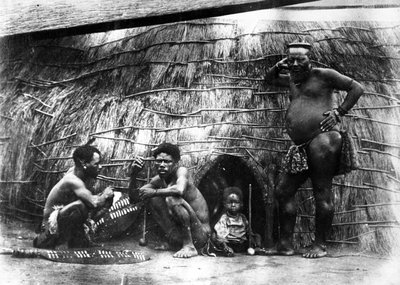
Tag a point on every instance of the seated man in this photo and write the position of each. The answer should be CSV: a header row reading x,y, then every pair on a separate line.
x,y
70,201
177,205
232,229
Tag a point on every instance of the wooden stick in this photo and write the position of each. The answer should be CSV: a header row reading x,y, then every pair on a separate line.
x,y
347,212
364,222
374,170
250,125
54,158
254,159
385,226
54,141
275,140
51,171
112,165
270,93
377,107
181,89
102,177
150,158
381,143
381,188
231,154
195,150
378,204
393,178
143,241
360,235
252,148
195,141
18,182
37,99
121,128
352,186
250,218
373,120
342,241
258,110
124,139
38,149
234,77
382,95
306,216
367,150
226,138
44,113
171,114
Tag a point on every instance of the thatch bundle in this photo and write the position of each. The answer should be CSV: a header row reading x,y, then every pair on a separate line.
x,y
200,84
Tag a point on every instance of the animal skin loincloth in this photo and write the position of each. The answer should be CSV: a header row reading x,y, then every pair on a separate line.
x,y
296,159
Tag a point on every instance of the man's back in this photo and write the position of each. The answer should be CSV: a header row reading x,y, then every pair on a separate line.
x,y
61,194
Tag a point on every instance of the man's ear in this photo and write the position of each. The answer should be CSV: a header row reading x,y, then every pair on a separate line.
x,y
82,164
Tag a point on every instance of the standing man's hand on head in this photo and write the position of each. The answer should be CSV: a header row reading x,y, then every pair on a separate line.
x,y
282,64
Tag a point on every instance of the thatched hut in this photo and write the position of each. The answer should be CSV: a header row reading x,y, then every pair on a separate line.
x,y
200,84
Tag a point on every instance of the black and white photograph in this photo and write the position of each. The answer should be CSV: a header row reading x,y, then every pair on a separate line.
x,y
200,142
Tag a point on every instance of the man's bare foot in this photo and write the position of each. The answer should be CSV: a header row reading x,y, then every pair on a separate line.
x,y
278,250
186,252
162,246
315,251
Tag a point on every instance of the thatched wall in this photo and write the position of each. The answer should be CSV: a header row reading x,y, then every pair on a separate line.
x,y
199,84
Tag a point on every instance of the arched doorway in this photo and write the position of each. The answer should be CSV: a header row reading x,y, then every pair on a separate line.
x,y
225,171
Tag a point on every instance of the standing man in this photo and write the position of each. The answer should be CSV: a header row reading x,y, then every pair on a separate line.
x,y
70,201
177,205
321,149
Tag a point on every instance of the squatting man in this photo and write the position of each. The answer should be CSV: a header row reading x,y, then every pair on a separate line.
x,y
177,205
71,204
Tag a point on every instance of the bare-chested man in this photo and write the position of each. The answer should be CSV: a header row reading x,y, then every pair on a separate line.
x,y
321,149
177,205
70,201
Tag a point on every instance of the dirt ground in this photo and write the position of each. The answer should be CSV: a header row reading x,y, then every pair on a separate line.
x,y
342,266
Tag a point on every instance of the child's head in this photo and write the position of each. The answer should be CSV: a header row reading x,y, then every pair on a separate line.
x,y
233,200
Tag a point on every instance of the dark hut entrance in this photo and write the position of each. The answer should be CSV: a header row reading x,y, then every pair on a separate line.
x,y
226,171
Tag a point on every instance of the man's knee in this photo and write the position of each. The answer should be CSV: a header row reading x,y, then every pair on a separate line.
x,y
325,145
74,212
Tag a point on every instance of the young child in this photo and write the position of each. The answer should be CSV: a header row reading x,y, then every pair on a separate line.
x,y
232,229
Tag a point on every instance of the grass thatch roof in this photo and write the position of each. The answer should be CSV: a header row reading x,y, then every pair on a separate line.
x,y
199,84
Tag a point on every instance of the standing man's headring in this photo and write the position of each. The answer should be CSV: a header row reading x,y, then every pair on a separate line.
x,y
169,149
299,46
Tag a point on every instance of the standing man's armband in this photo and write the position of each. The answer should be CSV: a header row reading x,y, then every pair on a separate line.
x,y
341,111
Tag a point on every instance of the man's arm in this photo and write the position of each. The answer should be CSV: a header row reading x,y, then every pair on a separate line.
x,y
354,91
133,188
345,83
274,76
151,190
92,201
